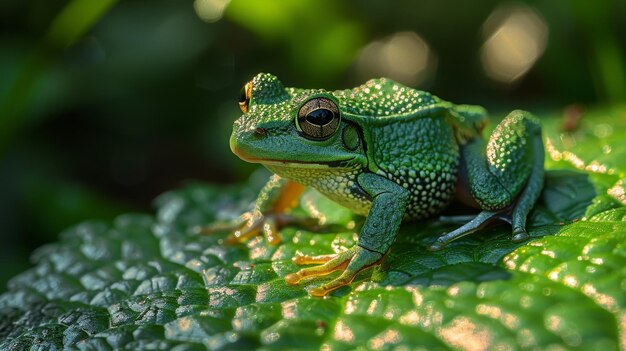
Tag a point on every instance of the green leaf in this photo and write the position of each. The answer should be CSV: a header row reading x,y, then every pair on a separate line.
x,y
148,282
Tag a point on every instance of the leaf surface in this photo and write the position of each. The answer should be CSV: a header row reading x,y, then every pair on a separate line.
x,y
147,282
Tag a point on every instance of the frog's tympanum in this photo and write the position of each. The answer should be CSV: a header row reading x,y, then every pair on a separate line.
x,y
387,152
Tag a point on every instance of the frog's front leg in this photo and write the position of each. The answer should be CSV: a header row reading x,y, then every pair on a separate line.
x,y
277,197
389,201
505,176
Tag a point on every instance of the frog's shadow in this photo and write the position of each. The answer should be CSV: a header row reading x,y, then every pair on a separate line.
x,y
477,258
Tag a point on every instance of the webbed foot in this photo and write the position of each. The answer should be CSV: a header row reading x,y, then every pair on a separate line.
x,y
351,262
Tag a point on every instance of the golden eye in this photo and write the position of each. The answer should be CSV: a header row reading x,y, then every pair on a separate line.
x,y
244,97
319,118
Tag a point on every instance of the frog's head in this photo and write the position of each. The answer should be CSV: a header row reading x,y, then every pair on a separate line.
x,y
294,127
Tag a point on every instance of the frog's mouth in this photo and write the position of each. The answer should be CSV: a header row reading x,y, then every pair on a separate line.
x,y
350,161
347,163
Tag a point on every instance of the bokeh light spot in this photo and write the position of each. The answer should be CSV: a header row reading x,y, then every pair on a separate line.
x,y
464,334
403,56
210,10
516,37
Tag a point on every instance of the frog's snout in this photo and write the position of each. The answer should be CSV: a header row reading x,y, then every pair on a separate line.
x,y
235,147
243,141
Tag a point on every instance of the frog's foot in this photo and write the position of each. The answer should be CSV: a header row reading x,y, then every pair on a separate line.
x,y
461,219
252,223
351,262
480,221
519,235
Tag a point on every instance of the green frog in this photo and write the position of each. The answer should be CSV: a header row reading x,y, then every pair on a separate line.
x,y
387,152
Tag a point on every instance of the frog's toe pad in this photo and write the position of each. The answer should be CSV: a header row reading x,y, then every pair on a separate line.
x,y
436,246
325,289
292,278
319,291
519,235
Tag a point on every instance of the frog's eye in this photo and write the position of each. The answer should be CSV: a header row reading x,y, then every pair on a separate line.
x,y
318,118
244,97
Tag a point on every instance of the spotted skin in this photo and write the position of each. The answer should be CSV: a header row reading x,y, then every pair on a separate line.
x,y
419,162
340,185
383,98
391,153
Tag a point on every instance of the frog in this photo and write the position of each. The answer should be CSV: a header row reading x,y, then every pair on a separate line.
x,y
387,152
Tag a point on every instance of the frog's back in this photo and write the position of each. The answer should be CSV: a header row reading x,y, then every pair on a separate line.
x,y
382,98
409,139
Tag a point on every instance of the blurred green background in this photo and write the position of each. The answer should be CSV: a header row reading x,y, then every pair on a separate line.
x,y
105,104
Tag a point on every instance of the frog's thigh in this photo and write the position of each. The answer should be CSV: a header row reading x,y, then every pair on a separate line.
x,y
508,169
533,186
498,171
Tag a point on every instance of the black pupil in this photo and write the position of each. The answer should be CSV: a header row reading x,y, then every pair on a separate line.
x,y
242,95
320,117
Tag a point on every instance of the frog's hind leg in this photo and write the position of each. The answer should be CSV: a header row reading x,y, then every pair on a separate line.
x,y
505,177
530,194
480,221
460,219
